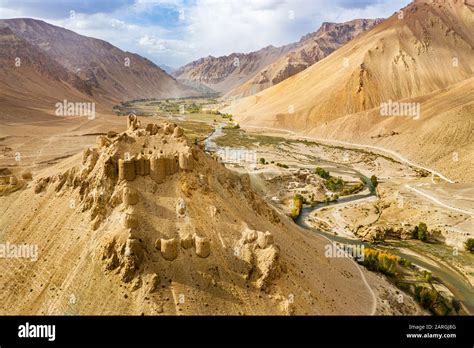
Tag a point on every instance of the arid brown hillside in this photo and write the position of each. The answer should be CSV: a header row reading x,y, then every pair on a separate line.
x,y
426,48
148,223
64,60
31,78
310,49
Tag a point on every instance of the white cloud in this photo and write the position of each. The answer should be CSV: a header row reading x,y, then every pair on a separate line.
x,y
222,27
146,5
10,12
212,27
154,45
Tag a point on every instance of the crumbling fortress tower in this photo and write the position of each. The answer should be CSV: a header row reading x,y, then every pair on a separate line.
x,y
156,152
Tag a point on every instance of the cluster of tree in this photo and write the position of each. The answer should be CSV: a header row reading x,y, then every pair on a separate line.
x,y
428,276
322,173
232,126
469,245
437,304
383,262
297,206
133,101
155,103
426,297
229,116
420,232
334,184
213,112
374,181
193,108
282,165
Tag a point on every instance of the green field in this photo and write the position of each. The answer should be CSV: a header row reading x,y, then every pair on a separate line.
x,y
197,116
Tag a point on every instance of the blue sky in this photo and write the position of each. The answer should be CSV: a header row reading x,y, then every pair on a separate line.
x,y
175,32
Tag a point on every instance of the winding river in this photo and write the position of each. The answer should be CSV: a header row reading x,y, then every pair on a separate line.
x,y
454,281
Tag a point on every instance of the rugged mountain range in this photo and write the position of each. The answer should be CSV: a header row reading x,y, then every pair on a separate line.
x,y
422,55
310,49
242,74
42,61
227,72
